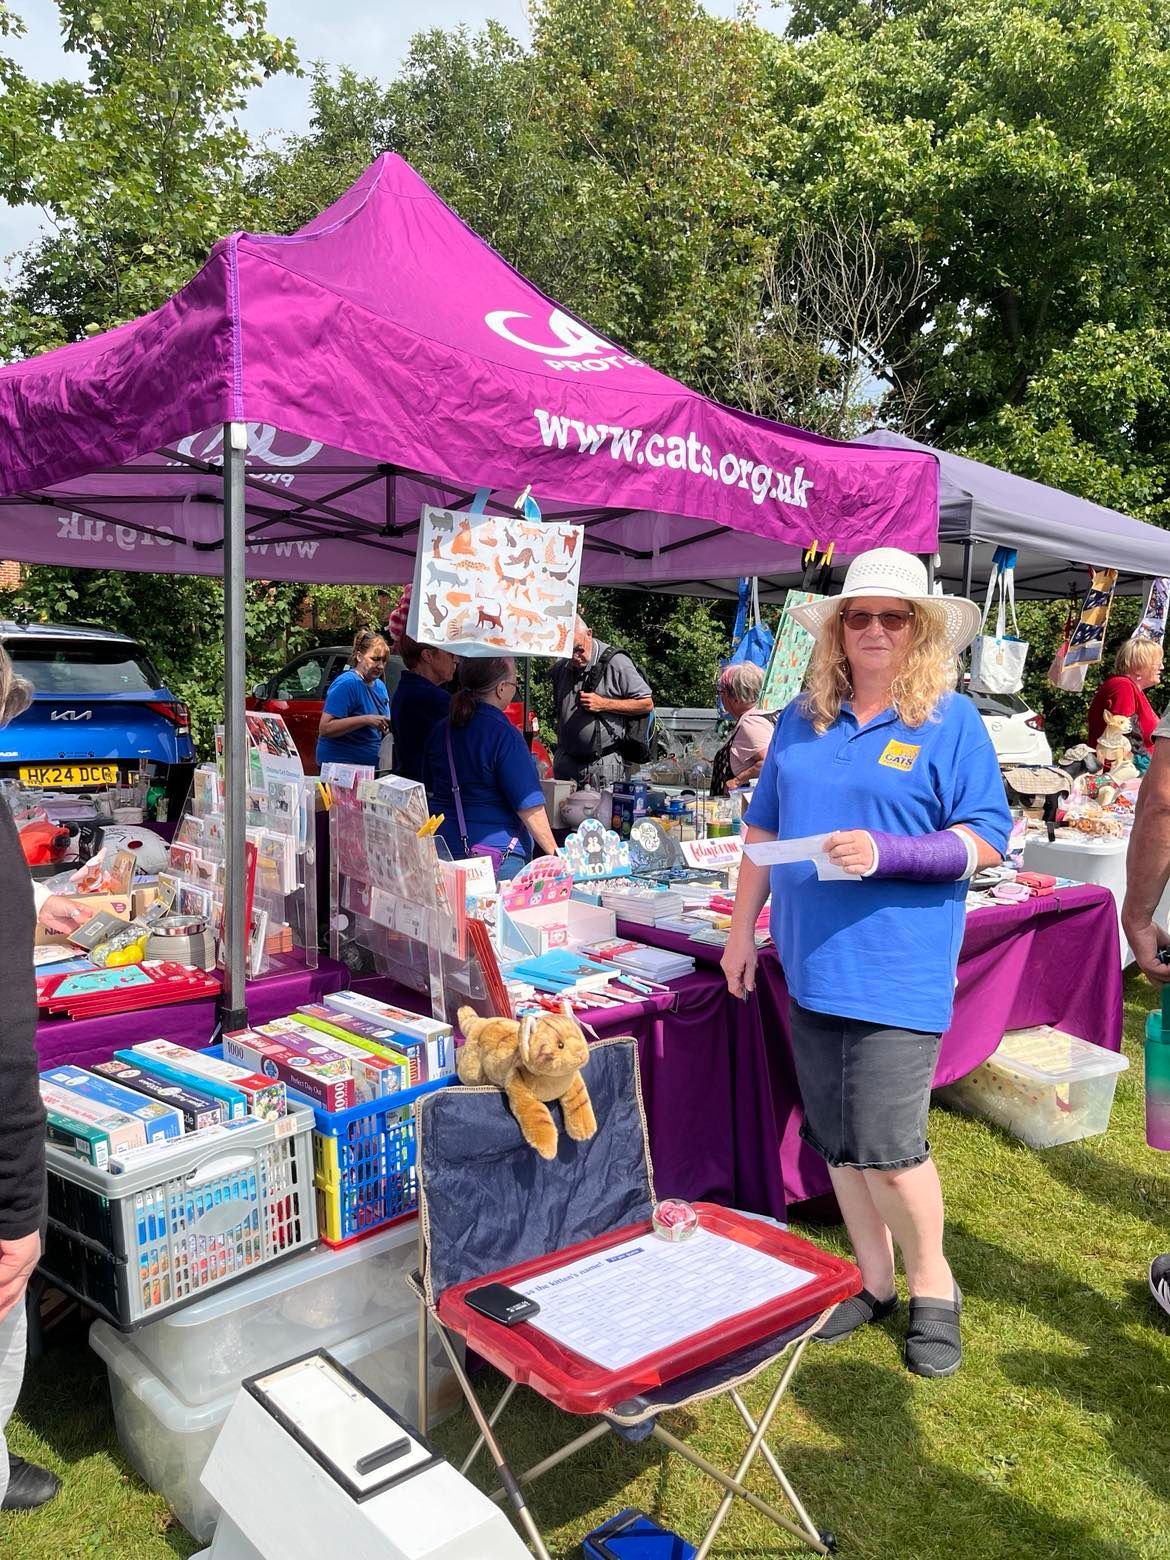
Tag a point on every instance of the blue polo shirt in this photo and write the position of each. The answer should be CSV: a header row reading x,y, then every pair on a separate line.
x,y
497,778
351,694
883,950
415,710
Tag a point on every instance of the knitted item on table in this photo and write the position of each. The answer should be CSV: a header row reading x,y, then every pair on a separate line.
x,y
944,857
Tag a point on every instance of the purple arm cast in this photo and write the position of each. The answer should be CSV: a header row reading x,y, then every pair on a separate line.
x,y
922,858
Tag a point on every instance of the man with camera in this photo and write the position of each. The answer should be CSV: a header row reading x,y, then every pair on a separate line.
x,y
603,706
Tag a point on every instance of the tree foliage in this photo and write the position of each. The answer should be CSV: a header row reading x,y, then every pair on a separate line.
x,y
952,218
138,167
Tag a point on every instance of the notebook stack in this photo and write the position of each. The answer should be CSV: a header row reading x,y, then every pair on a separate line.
x,y
654,964
643,906
561,970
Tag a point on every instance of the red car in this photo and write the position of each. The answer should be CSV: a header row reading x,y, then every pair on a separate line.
x,y
298,693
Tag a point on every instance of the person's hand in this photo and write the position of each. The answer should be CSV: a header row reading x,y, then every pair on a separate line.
x,y
379,721
1145,940
851,850
595,703
739,965
62,914
17,1260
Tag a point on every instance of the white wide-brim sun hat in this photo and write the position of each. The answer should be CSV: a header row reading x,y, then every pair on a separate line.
x,y
888,571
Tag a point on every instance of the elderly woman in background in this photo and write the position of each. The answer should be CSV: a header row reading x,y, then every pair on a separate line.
x,y
1136,667
894,773
741,757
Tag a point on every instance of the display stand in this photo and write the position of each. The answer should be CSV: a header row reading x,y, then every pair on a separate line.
x,y
396,899
280,850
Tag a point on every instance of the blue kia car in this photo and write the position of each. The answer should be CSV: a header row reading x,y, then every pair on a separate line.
x,y
99,713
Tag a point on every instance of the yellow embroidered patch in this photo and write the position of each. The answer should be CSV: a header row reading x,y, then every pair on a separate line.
x,y
900,755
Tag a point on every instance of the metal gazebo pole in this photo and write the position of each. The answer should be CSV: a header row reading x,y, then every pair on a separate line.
x,y
233,1005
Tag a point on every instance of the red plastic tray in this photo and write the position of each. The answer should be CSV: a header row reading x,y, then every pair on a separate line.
x,y
579,1385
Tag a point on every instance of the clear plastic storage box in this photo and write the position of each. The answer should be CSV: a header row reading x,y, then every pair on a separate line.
x,y
168,1442
210,1346
1043,1086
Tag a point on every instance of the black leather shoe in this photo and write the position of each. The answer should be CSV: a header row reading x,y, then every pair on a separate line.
x,y
28,1486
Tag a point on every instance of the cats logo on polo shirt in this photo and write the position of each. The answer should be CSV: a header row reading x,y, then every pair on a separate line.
x,y
900,756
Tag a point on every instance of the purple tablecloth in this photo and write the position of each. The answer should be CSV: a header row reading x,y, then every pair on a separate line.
x,y
705,1089
1048,961
87,1040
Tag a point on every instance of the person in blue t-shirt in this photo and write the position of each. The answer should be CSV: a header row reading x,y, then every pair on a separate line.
x,y
357,707
894,772
479,773
420,702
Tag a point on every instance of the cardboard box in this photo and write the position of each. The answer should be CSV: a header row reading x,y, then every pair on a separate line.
x,y
198,1108
263,1097
120,905
399,1019
77,1138
566,924
328,1084
374,1039
374,1076
120,1131
159,1121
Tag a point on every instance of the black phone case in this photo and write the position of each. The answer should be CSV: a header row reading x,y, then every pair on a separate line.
x,y
502,1304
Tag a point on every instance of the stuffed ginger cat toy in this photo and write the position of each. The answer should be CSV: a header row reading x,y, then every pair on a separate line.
x,y
534,1061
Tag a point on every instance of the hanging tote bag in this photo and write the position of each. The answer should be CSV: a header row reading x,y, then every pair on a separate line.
x,y
756,643
997,661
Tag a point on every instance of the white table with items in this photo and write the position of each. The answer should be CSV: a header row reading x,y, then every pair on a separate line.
x,y
1089,859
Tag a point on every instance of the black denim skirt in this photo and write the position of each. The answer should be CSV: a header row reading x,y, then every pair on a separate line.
x,y
865,1089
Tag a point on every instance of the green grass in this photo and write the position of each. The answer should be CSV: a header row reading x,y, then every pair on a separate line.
x,y
1053,1440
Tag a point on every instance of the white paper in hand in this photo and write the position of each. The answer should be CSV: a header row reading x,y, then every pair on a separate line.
x,y
775,853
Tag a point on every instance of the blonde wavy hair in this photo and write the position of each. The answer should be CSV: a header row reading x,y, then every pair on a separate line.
x,y
929,670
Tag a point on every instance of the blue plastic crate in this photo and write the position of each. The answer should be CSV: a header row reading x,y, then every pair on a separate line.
x,y
363,1162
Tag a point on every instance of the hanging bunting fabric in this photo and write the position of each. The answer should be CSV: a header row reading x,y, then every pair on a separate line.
x,y
1088,640
1152,623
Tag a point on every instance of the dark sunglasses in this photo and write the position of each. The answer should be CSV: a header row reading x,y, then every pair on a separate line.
x,y
893,622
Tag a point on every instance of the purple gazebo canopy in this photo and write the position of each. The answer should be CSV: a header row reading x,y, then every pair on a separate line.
x,y
385,357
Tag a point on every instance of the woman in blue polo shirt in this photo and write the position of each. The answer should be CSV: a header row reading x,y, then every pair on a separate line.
x,y
895,772
479,773
357,707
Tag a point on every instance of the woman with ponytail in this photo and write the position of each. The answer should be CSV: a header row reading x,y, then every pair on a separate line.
x,y
480,774
357,707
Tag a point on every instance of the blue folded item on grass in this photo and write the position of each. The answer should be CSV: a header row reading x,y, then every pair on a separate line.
x,y
632,1535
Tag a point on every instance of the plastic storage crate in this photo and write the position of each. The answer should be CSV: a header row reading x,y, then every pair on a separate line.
x,y
168,1441
311,1303
138,1245
363,1162
1043,1086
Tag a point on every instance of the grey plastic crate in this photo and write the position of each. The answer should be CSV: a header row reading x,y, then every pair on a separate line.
x,y
141,1244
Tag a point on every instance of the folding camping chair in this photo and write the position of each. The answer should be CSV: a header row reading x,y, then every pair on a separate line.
x,y
487,1202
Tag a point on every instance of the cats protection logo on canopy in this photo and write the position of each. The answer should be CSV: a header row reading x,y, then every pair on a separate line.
x,y
574,346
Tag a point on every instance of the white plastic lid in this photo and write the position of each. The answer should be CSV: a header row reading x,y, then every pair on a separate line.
x,y
283,1276
1051,1056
